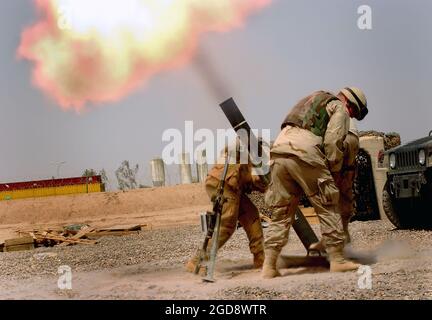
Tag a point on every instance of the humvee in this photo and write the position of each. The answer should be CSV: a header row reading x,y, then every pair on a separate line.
x,y
407,195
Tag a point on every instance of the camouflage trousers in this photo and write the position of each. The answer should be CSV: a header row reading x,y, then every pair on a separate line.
x,y
345,181
290,178
346,202
239,208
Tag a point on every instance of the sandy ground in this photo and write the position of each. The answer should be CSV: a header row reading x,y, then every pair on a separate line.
x,y
150,266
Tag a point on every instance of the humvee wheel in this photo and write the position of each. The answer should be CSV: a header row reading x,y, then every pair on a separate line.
x,y
389,208
406,213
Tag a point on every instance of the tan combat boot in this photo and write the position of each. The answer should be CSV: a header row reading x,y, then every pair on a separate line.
x,y
258,260
192,263
269,268
318,246
338,263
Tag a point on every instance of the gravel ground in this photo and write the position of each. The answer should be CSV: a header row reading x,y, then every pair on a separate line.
x,y
150,266
258,200
156,248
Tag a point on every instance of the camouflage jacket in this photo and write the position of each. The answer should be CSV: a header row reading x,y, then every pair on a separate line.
x,y
326,151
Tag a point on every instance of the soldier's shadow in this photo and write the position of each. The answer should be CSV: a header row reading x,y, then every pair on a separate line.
x,y
296,265
230,270
302,270
238,267
233,271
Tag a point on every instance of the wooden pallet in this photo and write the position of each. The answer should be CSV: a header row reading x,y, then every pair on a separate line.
x,y
99,234
19,244
116,231
310,215
54,236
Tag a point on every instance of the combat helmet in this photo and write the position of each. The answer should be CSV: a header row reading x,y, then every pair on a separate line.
x,y
358,99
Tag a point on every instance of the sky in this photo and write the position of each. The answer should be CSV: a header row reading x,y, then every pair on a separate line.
x,y
283,53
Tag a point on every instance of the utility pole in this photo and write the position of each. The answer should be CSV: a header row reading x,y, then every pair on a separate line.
x,y
59,164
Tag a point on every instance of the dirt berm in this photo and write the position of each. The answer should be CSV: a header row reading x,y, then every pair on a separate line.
x,y
169,206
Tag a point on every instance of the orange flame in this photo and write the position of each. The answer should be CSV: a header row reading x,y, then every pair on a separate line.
x,y
100,50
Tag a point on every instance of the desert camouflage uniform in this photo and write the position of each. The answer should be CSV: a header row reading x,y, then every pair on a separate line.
x,y
238,208
307,156
345,178
305,160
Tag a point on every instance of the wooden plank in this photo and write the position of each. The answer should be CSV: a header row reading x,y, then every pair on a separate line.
x,y
132,227
308,212
313,220
99,234
21,247
19,241
36,230
81,234
63,239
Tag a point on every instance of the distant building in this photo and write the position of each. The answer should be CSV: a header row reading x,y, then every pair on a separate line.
x,y
52,187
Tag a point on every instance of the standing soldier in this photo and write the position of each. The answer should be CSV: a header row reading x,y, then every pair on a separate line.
x,y
238,208
305,157
345,183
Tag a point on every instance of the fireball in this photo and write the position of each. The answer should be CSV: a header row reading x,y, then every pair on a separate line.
x,y
98,51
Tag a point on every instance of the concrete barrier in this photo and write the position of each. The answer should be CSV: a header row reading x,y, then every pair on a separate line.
x,y
373,145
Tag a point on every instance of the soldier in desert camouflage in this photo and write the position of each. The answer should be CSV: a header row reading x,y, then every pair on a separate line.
x,y
239,208
306,156
345,182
